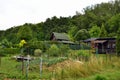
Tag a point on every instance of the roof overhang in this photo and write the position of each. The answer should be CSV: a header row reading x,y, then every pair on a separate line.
x,y
100,41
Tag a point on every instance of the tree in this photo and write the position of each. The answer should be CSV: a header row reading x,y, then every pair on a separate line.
x,y
25,33
113,24
5,43
82,35
118,43
103,32
72,31
94,31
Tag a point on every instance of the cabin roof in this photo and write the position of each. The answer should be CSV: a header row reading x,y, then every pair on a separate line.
x,y
90,39
100,39
60,36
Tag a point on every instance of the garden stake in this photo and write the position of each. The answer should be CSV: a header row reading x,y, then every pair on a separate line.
x,y
41,67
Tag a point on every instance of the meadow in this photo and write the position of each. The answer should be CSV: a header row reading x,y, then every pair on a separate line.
x,y
95,67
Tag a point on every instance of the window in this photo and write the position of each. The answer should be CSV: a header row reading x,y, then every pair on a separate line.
x,y
113,45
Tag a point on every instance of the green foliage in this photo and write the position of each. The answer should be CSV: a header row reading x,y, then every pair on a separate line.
x,y
34,44
113,24
103,32
6,44
82,35
100,78
9,51
37,52
63,68
84,53
25,33
72,31
63,50
53,50
107,13
94,31
118,43
55,61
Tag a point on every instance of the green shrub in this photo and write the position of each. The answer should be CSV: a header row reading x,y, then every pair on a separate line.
x,y
53,51
84,53
37,52
64,50
98,77
9,51
37,45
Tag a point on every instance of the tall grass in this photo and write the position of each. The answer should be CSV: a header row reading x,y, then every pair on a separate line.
x,y
61,69
74,69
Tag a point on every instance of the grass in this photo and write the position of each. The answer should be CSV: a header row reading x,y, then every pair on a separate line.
x,y
105,75
96,68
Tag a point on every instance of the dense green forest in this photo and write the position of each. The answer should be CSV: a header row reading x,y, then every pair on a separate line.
x,y
100,20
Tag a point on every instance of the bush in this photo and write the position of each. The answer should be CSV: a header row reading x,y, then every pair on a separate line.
x,y
53,51
100,78
81,54
64,50
84,53
37,52
9,51
37,45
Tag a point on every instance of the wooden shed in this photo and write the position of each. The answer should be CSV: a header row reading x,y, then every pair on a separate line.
x,y
103,45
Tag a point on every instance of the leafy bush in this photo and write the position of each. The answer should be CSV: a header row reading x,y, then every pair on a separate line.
x,y
9,51
37,45
100,78
64,50
53,51
83,53
37,52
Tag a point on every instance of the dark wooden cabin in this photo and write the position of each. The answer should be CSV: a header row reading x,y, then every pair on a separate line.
x,y
103,45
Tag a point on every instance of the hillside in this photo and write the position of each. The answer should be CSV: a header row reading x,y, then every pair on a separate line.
x,y
104,14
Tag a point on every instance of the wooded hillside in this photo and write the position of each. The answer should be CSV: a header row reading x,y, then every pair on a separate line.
x,y
93,22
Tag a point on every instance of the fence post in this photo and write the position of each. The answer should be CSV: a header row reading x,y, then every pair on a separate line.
x,y
22,65
27,67
0,60
41,67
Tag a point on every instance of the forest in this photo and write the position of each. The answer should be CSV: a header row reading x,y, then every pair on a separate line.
x,y
100,20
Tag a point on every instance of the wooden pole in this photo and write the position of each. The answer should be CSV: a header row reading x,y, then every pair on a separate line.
x,y
27,68
22,65
0,60
41,67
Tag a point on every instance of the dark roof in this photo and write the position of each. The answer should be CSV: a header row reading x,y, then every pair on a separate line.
x,y
107,38
100,41
93,39
90,39
61,36
67,42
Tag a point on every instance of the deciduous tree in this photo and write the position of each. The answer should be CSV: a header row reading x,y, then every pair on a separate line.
x,y
103,32
118,43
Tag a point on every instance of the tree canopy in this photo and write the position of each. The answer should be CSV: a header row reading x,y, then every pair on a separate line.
x,y
118,43
95,15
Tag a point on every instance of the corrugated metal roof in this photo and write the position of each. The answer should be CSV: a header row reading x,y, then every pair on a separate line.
x,y
61,36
